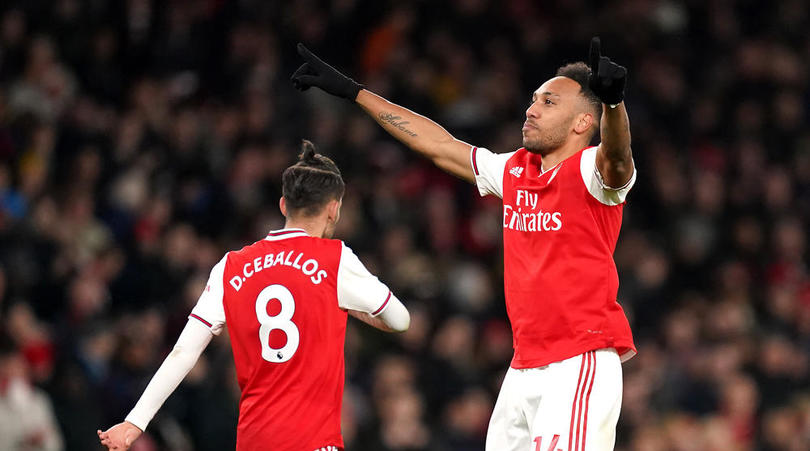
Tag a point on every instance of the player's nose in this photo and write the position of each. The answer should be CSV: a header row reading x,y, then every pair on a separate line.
x,y
532,112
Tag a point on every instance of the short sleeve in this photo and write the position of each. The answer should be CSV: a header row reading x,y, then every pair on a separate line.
x,y
596,185
210,309
357,288
488,168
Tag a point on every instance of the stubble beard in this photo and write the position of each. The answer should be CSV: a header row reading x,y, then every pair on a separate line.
x,y
545,143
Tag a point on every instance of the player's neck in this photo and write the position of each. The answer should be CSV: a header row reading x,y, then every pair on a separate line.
x,y
559,154
313,226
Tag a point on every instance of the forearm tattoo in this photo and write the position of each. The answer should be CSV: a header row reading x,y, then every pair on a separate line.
x,y
396,122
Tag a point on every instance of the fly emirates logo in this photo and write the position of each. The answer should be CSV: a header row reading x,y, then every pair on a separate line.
x,y
309,267
523,217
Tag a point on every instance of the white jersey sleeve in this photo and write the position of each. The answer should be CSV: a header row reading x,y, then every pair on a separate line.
x,y
488,168
210,309
596,185
192,342
357,288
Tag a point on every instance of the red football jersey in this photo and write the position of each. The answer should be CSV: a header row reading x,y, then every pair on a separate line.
x,y
287,334
283,299
559,229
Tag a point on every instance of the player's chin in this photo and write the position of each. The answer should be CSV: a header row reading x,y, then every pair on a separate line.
x,y
534,146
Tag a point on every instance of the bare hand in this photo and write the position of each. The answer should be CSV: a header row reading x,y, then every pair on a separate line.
x,y
120,436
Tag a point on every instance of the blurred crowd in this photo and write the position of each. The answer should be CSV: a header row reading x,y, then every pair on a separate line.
x,y
142,139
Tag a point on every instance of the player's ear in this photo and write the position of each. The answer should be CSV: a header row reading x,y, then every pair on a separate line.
x,y
282,206
333,210
583,123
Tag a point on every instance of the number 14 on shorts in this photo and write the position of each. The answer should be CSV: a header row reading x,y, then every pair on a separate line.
x,y
538,442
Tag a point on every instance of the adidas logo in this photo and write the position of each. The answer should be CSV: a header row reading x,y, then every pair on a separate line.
x,y
517,171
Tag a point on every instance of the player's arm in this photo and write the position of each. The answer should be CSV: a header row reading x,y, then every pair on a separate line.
x,y
193,340
420,134
415,131
366,298
614,158
395,318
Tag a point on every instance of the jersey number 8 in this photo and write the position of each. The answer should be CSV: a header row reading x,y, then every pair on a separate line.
x,y
282,321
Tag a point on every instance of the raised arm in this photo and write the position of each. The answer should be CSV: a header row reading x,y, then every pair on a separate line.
x,y
614,157
420,134
415,131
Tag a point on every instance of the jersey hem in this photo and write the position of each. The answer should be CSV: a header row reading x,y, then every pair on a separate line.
x,y
607,187
626,351
601,180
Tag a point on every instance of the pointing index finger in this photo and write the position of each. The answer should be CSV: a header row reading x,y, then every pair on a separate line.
x,y
307,55
304,51
595,53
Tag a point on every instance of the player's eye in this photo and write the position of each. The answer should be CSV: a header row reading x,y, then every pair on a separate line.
x,y
549,102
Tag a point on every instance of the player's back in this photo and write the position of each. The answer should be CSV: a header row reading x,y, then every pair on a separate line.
x,y
287,333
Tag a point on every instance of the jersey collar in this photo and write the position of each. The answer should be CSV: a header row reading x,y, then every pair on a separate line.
x,y
283,234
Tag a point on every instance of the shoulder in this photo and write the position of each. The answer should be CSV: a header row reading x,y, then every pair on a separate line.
x,y
330,252
220,265
521,157
330,244
246,250
516,155
484,159
347,255
587,156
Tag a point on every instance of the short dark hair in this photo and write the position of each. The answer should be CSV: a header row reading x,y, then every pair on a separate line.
x,y
311,182
581,73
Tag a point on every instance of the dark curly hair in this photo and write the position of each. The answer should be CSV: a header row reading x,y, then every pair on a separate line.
x,y
580,73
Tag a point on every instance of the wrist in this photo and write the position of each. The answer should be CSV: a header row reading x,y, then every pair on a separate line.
x,y
138,421
354,91
134,426
612,105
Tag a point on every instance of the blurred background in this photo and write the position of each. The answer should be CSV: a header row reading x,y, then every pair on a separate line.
x,y
142,139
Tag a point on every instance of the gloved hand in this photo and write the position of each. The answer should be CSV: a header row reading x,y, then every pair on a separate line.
x,y
607,78
315,72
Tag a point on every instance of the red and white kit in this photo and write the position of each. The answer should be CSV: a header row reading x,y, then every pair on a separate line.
x,y
560,228
284,299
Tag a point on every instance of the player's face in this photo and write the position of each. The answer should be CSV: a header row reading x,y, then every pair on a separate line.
x,y
550,116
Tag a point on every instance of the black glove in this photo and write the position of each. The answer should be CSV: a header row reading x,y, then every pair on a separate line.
x,y
315,72
607,78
